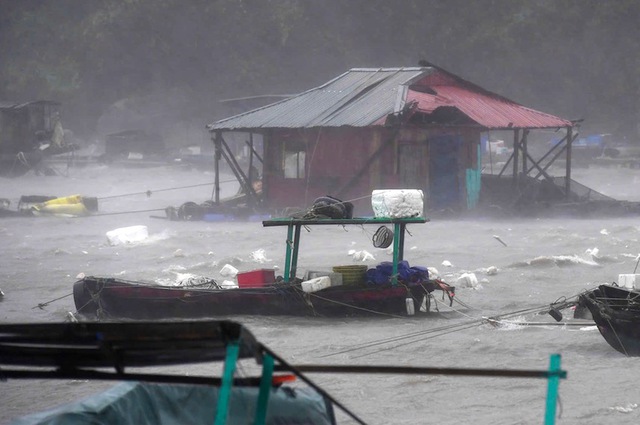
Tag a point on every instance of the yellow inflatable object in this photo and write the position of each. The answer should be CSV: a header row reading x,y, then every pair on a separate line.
x,y
68,206
73,199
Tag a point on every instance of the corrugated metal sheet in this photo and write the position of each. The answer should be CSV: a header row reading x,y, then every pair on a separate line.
x,y
357,98
364,97
496,112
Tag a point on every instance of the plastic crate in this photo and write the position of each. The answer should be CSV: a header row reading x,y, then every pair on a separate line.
x,y
256,278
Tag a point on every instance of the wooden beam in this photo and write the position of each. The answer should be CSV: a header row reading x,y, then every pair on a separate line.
x,y
568,164
349,184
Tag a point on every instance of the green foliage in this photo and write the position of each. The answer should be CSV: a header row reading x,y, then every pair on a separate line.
x,y
574,58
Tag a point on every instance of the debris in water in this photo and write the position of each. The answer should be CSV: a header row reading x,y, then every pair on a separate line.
x,y
499,240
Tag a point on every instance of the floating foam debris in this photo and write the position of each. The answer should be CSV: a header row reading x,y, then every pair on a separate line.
x,y
491,270
628,408
259,256
178,253
127,235
467,280
80,276
361,255
433,272
604,232
447,263
228,271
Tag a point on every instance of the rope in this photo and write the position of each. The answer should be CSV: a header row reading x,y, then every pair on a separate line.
x,y
357,308
41,305
122,212
150,192
402,337
453,309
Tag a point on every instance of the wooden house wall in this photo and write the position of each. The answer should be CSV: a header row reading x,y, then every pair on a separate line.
x,y
334,155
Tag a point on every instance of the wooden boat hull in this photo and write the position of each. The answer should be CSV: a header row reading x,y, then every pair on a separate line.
x,y
116,298
616,312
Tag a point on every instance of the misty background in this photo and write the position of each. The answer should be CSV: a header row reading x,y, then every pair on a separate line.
x,y
168,65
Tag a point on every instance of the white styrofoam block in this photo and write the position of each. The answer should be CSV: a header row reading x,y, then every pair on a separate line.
x,y
126,235
228,271
316,284
628,280
397,203
336,278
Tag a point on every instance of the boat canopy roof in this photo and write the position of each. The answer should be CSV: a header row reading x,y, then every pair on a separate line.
x,y
123,344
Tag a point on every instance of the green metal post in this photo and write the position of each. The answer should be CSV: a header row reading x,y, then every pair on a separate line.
x,y
265,389
396,252
287,257
296,247
552,389
233,351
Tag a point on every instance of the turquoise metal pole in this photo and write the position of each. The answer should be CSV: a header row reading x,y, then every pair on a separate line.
x,y
287,257
552,389
265,389
230,362
396,252
294,255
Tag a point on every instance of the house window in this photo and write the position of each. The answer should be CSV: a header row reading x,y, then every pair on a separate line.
x,y
294,160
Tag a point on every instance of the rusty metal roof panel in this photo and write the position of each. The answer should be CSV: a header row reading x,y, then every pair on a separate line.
x,y
357,98
495,112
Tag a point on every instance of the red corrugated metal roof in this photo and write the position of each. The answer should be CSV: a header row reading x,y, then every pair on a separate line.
x,y
486,109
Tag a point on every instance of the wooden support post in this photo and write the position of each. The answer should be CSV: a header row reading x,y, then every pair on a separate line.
x,y
251,176
216,162
523,145
567,181
516,146
549,152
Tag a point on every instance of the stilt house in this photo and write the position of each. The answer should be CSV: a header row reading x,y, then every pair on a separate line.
x,y
414,128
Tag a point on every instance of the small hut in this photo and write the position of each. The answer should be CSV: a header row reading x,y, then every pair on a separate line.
x,y
29,132
383,128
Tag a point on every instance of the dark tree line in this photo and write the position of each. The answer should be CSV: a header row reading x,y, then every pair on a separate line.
x,y
573,58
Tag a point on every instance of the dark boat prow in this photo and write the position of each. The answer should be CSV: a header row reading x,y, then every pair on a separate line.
x,y
616,312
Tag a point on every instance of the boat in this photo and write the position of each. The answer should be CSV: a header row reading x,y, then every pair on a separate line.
x,y
108,351
392,288
272,392
616,312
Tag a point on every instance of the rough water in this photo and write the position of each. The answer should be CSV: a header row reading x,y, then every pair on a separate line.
x,y
543,261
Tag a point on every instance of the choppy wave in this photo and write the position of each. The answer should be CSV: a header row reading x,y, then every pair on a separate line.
x,y
555,261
